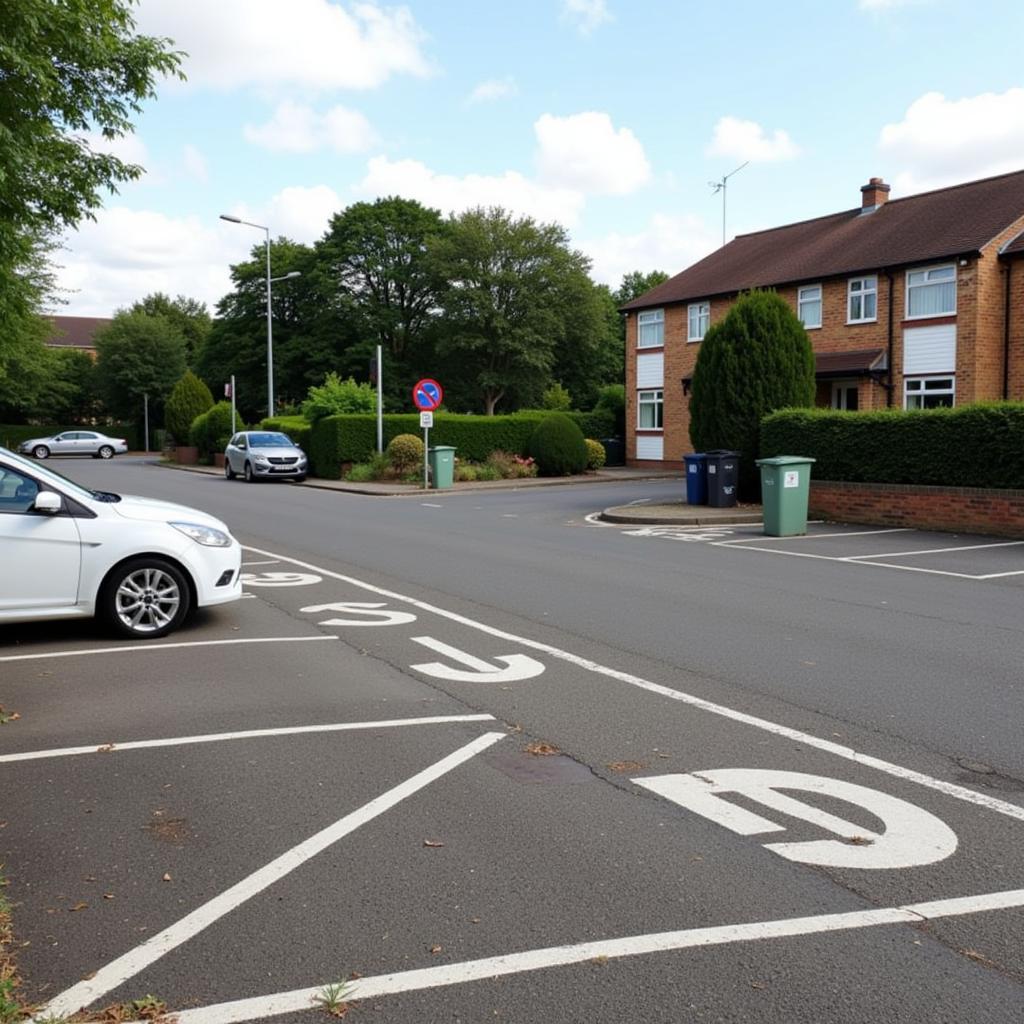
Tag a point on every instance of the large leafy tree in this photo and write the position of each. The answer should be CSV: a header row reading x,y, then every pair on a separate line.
x,y
138,355
516,293
377,257
758,359
66,69
190,316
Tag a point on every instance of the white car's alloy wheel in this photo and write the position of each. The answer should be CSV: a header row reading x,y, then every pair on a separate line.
x,y
146,597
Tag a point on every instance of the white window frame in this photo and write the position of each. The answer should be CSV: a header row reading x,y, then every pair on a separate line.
x,y
801,299
657,402
868,286
908,391
650,317
925,284
702,312
840,389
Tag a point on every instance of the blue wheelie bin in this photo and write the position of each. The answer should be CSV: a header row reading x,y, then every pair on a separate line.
x,y
696,478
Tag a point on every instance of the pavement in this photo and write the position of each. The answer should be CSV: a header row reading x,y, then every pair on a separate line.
x,y
674,513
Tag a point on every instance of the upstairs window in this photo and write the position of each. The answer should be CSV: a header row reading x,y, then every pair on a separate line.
x,y
651,328
862,299
931,292
808,305
699,320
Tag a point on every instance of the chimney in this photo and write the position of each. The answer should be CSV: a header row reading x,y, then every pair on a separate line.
x,y
873,195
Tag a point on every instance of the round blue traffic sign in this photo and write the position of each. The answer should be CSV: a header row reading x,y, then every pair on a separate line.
x,y
427,395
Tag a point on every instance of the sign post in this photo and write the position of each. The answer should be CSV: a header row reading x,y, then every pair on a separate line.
x,y
427,395
229,392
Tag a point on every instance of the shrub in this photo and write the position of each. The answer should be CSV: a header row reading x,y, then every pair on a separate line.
x,y
211,430
336,396
465,471
404,451
978,445
758,359
556,399
595,454
612,400
558,446
378,468
189,398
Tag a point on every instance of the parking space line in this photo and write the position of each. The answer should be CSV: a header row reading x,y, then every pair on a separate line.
x,y
825,536
129,964
130,648
847,753
248,734
265,561
633,945
938,551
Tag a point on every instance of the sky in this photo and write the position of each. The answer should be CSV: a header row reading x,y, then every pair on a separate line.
x,y
610,117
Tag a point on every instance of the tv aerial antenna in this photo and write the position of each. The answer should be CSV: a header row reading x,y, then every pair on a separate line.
x,y
720,186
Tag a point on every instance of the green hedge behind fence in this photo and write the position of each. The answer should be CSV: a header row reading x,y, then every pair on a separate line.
x,y
353,437
978,445
12,434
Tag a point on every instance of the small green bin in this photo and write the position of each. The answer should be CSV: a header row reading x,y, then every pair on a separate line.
x,y
785,488
442,466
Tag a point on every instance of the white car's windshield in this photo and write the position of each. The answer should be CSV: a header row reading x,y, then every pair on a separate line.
x,y
58,479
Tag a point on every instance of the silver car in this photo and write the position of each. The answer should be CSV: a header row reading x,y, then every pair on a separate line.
x,y
75,442
264,455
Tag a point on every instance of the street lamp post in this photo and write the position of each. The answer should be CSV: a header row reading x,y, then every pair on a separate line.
x,y
270,326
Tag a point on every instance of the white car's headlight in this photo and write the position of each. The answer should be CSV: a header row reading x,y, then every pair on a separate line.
x,y
205,535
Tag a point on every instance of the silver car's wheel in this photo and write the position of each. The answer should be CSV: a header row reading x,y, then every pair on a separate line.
x,y
145,598
229,473
105,452
250,476
41,451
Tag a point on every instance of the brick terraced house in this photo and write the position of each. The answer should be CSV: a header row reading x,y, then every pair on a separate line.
x,y
909,303
77,332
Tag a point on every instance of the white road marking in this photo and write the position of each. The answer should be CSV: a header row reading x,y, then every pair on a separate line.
x,y
145,648
507,964
912,836
937,551
847,753
370,609
824,536
280,579
517,666
637,501
430,504
265,561
248,734
128,965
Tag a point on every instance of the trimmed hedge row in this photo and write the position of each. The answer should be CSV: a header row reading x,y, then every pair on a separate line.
x,y
979,445
12,434
353,437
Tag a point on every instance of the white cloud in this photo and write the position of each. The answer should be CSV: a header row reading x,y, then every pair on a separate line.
x,y
194,163
295,128
585,152
302,214
666,243
126,254
747,140
314,44
452,193
941,141
586,15
493,89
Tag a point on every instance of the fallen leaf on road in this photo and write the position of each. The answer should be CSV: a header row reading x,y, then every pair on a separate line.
x,y
108,895
541,749
432,843
79,906
167,878
435,949
626,766
105,749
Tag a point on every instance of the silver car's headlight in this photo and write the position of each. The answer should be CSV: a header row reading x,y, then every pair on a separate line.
x,y
205,535
261,460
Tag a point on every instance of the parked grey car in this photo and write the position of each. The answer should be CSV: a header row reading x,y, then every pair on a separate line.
x,y
264,455
75,442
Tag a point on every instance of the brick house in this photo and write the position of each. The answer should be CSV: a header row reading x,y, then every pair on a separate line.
x,y
909,303
76,332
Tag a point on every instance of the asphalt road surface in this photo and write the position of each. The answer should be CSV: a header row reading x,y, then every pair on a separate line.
x,y
477,757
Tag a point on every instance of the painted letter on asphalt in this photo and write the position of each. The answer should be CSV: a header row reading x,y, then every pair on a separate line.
x,y
517,666
911,836
375,617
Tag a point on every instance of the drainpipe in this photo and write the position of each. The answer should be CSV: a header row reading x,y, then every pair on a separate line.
x,y
891,387
1006,334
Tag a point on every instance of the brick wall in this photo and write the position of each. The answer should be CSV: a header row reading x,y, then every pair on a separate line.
x,y
1017,330
952,509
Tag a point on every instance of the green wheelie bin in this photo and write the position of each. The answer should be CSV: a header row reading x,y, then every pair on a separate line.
x,y
442,465
785,488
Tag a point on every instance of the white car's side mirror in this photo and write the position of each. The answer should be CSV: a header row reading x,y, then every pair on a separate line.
x,y
48,502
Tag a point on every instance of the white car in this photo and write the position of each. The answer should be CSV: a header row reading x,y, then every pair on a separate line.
x,y
75,442
139,564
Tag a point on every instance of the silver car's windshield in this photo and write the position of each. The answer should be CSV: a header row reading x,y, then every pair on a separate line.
x,y
270,441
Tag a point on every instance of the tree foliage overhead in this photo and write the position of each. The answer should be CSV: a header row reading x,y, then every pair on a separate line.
x,y
758,359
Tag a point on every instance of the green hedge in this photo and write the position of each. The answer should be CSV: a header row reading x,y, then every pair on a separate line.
x,y
978,445
12,434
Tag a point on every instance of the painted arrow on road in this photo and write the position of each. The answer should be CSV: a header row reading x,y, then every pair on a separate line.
x,y
517,666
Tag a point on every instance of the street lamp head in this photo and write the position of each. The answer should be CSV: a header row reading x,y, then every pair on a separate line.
x,y
234,220
294,273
